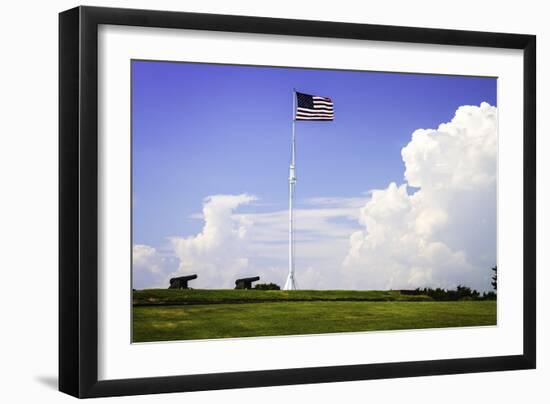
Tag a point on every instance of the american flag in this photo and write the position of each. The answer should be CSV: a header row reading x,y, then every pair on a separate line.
x,y
314,108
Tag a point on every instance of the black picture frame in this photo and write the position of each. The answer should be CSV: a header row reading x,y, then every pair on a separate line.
x,y
78,201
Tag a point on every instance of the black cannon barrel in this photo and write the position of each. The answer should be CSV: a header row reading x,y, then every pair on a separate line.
x,y
185,278
251,279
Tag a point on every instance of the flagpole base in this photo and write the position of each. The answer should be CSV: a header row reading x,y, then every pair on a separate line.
x,y
290,283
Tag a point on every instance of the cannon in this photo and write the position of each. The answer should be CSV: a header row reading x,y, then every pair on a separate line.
x,y
246,283
181,281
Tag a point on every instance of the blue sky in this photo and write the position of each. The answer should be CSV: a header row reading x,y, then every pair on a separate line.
x,y
201,129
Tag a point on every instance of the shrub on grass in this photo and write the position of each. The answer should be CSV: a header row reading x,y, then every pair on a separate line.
x,y
489,296
267,286
461,293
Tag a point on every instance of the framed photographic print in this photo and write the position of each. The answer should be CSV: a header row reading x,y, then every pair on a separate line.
x,y
251,201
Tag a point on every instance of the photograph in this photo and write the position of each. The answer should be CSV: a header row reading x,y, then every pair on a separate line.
x,y
271,201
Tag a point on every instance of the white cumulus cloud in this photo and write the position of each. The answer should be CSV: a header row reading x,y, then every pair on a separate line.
x,y
150,267
218,254
441,232
233,244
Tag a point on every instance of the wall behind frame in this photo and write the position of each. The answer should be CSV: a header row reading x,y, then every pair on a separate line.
x,y
28,206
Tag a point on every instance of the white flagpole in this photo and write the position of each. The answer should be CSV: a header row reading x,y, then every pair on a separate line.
x,y
291,282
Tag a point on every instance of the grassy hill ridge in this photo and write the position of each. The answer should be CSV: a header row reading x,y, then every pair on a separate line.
x,y
161,297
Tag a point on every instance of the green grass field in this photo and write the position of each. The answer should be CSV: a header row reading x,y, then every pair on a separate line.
x,y
167,314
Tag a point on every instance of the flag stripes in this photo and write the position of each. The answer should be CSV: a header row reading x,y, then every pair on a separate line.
x,y
313,108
